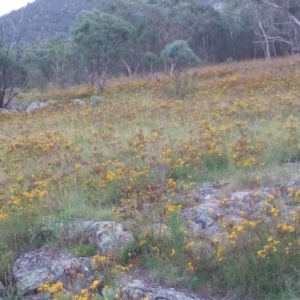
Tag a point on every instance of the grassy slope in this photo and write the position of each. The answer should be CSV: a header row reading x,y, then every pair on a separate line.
x,y
150,143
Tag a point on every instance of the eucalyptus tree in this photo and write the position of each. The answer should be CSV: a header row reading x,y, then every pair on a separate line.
x,y
172,20
285,25
179,55
275,24
151,61
51,58
100,40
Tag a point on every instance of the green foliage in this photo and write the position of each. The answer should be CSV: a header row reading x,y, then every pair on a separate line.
x,y
249,273
97,100
180,88
151,60
140,32
82,250
179,54
8,291
162,251
50,59
100,39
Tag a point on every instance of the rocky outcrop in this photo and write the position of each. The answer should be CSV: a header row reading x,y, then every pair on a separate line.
x,y
36,105
33,269
78,101
205,214
138,289
107,236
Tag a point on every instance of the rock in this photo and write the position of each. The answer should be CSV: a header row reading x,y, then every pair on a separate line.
x,y
110,236
216,184
291,182
97,100
242,195
107,236
87,262
4,111
14,107
247,202
33,269
207,185
220,183
39,296
35,105
203,214
79,101
264,193
171,294
207,193
137,290
203,218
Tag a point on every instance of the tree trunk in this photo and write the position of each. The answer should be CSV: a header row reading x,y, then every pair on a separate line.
x,y
2,95
266,41
127,67
173,65
165,66
102,75
136,69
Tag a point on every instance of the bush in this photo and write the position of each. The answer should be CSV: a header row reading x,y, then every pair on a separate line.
x,y
97,100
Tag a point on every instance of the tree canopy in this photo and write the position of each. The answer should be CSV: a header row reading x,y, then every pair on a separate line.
x,y
100,39
136,37
179,54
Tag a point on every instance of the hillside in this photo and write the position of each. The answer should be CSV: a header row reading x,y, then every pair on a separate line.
x,y
43,19
207,188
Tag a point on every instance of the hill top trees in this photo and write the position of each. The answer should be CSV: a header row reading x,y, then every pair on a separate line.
x,y
139,36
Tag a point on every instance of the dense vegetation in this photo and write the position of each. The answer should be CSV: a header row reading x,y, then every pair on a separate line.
x,y
214,31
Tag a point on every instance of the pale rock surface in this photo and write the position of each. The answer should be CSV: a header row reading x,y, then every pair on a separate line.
x,y
4,111
138,289
36,105
107,236
110,236
79,101
33,269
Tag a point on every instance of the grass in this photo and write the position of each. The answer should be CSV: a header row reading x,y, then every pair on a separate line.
x,y
136,158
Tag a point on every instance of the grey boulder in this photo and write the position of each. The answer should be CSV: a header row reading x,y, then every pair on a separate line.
x,y
137,290
33,269
109,236
78,101
106,236
35,105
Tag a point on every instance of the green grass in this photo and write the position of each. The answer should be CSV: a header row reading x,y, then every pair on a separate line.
x,y
140,154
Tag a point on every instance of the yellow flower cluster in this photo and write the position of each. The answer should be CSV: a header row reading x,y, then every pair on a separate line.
x,y
272,246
